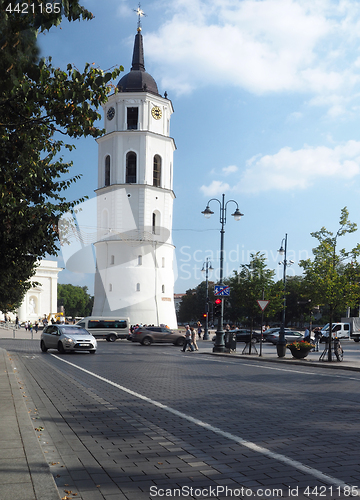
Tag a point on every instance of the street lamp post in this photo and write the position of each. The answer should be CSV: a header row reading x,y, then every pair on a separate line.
x,y
281,345
206,268
219,342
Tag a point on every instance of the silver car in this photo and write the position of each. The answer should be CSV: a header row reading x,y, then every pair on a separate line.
x,y
157,334
289,337
67,338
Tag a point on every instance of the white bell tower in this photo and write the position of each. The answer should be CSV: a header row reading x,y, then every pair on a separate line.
x,y
134,251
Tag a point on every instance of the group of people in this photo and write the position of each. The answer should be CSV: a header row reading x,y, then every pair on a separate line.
x,y
313,337
190,337
29,326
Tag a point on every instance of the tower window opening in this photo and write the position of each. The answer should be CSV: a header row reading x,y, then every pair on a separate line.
x,y
156,221
138,287
112,260
163,262
130,168
107,170
139,260
132,118
157,171
110,287
162,288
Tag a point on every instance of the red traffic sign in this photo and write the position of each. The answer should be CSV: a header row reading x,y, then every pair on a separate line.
x,y
263,304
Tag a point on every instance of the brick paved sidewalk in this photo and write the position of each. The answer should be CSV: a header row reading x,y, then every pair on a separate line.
x,y
24,472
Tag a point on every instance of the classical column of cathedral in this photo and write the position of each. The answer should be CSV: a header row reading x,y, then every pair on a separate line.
x,y
134,251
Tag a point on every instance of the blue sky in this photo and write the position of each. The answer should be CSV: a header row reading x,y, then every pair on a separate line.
x,y
266,96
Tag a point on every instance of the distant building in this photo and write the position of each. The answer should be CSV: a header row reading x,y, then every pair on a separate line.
x,y
177,300
41,300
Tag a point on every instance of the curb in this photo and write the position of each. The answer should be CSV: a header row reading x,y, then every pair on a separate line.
x,y
336,365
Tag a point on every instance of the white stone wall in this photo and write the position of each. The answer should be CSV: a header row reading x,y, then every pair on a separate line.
x,y
135,276
41,300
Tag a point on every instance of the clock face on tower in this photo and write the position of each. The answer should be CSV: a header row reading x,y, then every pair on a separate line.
x,y
156,113
111,113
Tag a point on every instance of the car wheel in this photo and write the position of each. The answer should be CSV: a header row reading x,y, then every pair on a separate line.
x,y
356,340
42,346
111,337
60,348
180,341
92,352
146,341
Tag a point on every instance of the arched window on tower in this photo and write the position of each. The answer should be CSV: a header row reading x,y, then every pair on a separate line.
x,y
107,170
130,168
155,222
157,171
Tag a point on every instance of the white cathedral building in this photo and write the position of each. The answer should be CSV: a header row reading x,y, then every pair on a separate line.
x,y
134,250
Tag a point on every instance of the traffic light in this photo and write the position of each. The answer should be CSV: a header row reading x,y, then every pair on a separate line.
x,y
205,315
217,308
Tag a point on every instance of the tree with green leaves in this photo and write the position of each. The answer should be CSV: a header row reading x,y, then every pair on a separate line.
x,y
192,305
253,282
332,277
75,299
39,104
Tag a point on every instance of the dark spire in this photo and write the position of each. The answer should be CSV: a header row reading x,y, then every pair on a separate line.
x,y
138,80
138,54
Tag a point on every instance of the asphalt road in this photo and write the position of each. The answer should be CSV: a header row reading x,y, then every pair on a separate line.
x,y
137,422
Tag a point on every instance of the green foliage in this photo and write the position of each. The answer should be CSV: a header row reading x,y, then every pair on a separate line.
x,y
248,285
38,104
332,277
75,299
192,306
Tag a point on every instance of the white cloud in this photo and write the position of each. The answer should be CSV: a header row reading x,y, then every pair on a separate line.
x,y
300,169
261,46
215,188
230,169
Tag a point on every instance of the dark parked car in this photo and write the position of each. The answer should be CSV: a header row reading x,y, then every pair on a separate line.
x,y
157,334
244,335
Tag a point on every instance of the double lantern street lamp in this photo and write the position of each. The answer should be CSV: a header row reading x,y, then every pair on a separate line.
x,y
219,345
281,345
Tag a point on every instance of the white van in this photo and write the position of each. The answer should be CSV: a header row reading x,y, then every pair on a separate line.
x,y
108,328
339,330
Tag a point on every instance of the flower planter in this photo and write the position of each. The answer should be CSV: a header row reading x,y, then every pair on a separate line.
x,y
299,353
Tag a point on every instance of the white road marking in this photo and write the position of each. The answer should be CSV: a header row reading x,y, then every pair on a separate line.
x,y
248,444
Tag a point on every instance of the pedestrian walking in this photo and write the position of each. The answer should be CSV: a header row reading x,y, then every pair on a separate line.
x,y
193,338
199,330
317,332
307,335
187,339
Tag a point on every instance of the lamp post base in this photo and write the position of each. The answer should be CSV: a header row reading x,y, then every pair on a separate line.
x,y
219,345
281,350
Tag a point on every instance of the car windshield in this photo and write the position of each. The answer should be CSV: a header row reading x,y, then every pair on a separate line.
x,y
67,330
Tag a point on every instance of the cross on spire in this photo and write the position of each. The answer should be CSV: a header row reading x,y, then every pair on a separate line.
x,y
140,14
